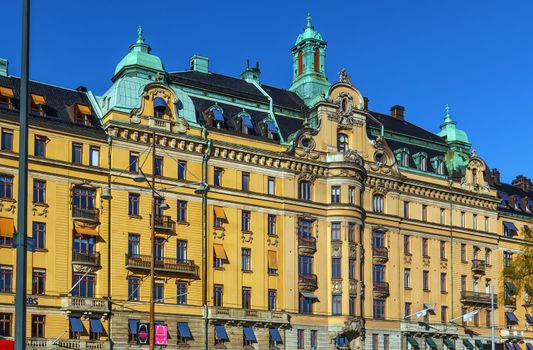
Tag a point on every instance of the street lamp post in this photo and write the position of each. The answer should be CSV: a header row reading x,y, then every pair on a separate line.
x,y
152,255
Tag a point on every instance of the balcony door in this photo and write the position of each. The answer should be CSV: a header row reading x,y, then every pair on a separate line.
x,y
84,198
159,249
84,244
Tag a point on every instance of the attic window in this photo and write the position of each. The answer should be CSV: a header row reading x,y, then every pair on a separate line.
x,y
216,117
402,157
6,95
37,104
271,130
505,199
439,168
160,107
83,115
422,161
246,123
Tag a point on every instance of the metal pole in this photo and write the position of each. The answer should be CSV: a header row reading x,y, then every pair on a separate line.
x,y
204,243
492,334
152,254
22,218
109,301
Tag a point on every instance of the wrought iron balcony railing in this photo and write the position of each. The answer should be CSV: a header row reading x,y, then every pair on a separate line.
x,y
83,214
380,254
163,222
307,244
478,298
86,258
308,281
169,265
478,266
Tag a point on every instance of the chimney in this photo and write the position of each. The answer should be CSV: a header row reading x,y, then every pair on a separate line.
x,y
365,103
199,64
495,176
81,88
3,67
251,73
396,111
523,182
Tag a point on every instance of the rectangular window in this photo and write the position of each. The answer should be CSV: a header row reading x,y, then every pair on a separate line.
x,y
133,204
463,219
305,190
305,228
38,282
442,216
39,234
336,306
6,186
271,229
182,170
463,252
351,195
37,326
335,267
443,314
246,297
425,280
305,264
406,245
351,268
488,317
300,339
159,249
335,194
7,140
94,156
486,224
245,182
507,258
271,187
377,203
424,212
217,177
335,231
39,149
474,222
406,210
84,285
487,256
378,274
352,302
272,299
379,309
133,288
442,250
182,211
407,278
181,293
159,292
134,162
77,149
246,259
407,311
218,295
425,248
386,342
305,305
314,340
463,283
245,222
375,341
5,324
133,245
443,282
181,250
351,232
158,166
39,191
378,239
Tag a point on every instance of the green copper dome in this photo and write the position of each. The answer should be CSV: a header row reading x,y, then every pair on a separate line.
x,y
309,33
140,56
449,131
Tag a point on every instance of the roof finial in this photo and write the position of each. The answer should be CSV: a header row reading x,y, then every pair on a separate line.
x,y
309,20
140,38
447,113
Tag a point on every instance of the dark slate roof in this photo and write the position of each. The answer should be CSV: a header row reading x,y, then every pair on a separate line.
x,y
57,100
237,87
517,192
403,127
414,149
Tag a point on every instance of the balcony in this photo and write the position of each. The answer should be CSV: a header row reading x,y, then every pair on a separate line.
x,y
380,255
44,343
86,215
306,245
164,223
247,315
159,124
478,266
83,304
381,290
510,301
512,334
308,281
477,298
168,265
82,258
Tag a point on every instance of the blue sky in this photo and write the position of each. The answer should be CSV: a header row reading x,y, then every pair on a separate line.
x,y
475,55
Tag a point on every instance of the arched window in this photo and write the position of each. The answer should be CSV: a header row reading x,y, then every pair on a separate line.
x,y
300,62
304,190
317,60
405,159
440,167
342,143
423,162
377,203
160,107
217,117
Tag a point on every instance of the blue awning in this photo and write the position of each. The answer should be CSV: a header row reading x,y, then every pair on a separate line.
x,y
220,332
75,324
510,226
271,126
159,102
218,114
246,121
529,346
517,347
249,334
96,325
509,346
274,334
341,340
511,317
184,330
133,324
529,318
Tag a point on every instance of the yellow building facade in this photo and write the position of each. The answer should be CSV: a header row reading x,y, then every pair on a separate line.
x,y
319,223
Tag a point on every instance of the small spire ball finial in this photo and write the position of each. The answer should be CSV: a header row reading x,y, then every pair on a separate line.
x,y
140,34
309,20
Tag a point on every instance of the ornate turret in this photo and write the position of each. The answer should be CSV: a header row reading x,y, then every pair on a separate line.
x,y
309,56
139,62
456,139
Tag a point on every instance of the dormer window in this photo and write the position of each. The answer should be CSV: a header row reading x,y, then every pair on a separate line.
x,y
215,117
440,167
271,130
505,199
6,97
402,157
342,143
83,115
423,162
37,105
160,107
246,124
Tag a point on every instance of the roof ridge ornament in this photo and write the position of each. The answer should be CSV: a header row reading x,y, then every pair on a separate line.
x,y
140,39
344,77
308,19
447,113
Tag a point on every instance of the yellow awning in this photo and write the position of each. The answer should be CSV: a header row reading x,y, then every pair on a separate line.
x,y
6,92
7,227
220,253
84,109
219,213
85,230
272,260
38,99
